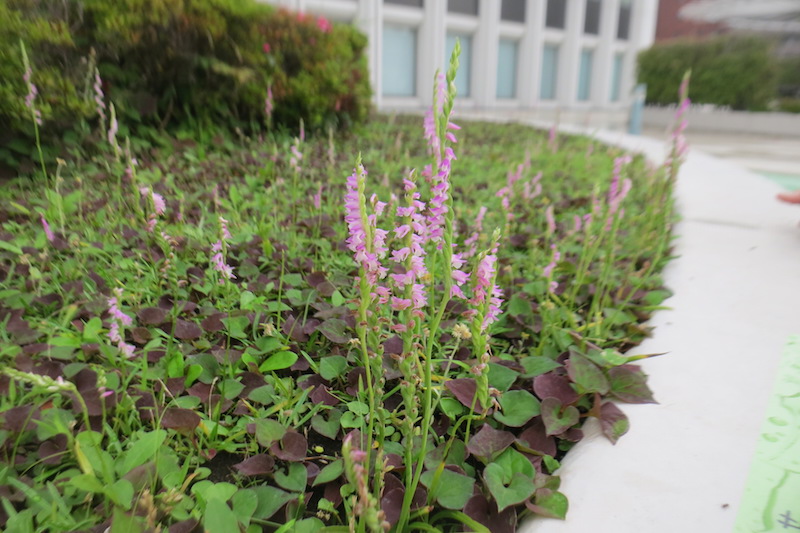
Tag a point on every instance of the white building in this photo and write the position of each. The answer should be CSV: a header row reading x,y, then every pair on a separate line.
x,y
546,56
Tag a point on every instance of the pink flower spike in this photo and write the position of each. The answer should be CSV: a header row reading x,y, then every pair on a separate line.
x,y
47,231
324,25
267,48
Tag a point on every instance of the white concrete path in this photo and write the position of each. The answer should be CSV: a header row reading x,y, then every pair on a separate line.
x,y
683,465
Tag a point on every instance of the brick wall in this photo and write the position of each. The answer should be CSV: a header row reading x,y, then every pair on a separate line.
x,y
671,26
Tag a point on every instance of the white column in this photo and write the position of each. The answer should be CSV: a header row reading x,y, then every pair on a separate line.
x,y
644,14
369,20
570,56
484,51
530,53
430,48
604,55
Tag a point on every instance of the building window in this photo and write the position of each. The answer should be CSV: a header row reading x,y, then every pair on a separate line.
x,y
507,69
585,75
464,74
624,21
512,10
399,61
616,76
556,14
549,85
591,22
465,7
409,3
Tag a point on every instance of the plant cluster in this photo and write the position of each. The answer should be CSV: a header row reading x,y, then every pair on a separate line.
x,y
737,71
169,64
242,339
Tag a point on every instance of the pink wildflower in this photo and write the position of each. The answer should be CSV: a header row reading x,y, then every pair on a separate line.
x,y
324,24
47,231
363,238
112,130
99,97
267,48
269,101
551,221
317,198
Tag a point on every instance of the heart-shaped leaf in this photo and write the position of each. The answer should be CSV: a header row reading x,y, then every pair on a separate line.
x,y
613,422
518,406
327,424
269,431
452,489
187,331
152,316
507,490
554,386
332,367
537,365
219,518
182,420
549,503
557,418
501,377
514,462
464,390
335,330
294,479
329,473
292,447
535,438
586,374
488,442
629,384
270,500
256,465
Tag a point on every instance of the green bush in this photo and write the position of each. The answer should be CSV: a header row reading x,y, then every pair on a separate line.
x,y
735,71
177,65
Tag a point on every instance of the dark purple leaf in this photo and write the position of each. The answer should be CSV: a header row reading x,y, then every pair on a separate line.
x,y
20,418
586,374
184,526
293,329
464,390
613,422
292,447
535,438
152,316
392,503
187,331
213,323
51,451
257,465
551,385
141,335
479,509
181,420
629,384
488,442
335,330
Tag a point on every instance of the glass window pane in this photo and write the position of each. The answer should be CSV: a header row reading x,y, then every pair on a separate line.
x,y
411,3
463,77
585,75
549,72
624,21
616,76
466,7
556,14
591,23
507,69
399,61
513,10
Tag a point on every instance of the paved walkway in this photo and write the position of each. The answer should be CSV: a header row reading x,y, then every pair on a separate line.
x,y
684,463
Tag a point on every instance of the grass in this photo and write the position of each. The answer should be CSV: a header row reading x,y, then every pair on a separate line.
x,y
261,402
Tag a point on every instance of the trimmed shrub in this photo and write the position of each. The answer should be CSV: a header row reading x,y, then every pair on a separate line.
x,y
172,64
735,71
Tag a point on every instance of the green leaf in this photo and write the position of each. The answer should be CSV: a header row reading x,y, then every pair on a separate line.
x,y
537,365
518,406
512,461
269,432
557,420
268,344
451,407
550,503
507,490
121,493
278,361
586,374
452,489
359,408
144,447
332,367
613,422
91,330
246,299
4,245
236,326
219,518
87,483
244,503
501,377
519,306
294,479
329,473
270,500
337,299
328,427
629,384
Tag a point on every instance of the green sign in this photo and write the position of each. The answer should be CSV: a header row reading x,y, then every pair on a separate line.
x,y
771,500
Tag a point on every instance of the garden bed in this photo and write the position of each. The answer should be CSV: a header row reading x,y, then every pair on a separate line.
x,y
188,341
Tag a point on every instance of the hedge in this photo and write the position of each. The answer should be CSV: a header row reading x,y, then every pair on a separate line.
x,y
171,64
735,71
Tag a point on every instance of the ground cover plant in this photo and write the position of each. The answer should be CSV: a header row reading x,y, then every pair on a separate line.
x,y
279,334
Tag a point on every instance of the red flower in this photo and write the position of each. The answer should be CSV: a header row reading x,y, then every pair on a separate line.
x,y
267,48
324,24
